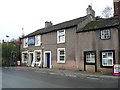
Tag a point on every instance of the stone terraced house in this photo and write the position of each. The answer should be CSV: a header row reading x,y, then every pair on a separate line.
x,y
79,44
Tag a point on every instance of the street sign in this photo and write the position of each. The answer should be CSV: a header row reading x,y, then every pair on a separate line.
x,y
116,69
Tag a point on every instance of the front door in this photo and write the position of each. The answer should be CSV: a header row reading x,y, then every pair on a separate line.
x,y
47,59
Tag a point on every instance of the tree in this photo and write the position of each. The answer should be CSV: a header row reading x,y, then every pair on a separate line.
x,y
107,12
7,48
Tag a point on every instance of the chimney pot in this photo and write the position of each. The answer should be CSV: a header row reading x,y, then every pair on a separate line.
x,y
90,11
47,24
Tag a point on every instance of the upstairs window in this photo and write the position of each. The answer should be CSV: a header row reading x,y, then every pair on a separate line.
x,y
61,36
25,42
105,34
38,40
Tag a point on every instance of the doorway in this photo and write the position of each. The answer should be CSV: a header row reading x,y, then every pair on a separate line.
x,y
47,59
30,58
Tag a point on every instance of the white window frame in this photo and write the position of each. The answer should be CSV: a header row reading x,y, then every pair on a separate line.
x,y
25,40
58,36
105,60
23,61
39,40
90,58
58,55
105,34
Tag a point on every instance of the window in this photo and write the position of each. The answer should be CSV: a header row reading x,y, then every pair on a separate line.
x,y
89,57
61,55
105,34
38,40
107,58
25,57
25,42
61,36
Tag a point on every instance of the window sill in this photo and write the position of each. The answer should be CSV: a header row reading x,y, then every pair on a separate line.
x,y
60,42
61,62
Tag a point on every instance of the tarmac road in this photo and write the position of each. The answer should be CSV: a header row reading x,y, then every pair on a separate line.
x,y
21,78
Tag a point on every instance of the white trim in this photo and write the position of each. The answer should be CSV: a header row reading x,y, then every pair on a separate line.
x,y
58,55
33,62
107,58
40,56
39,44
24,41
23,52
45,63
58,36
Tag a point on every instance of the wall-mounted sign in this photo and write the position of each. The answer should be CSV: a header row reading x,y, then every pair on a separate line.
x,y
31,41
116,70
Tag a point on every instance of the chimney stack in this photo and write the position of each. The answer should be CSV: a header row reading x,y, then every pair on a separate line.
x,y
47,24
116,7
90,11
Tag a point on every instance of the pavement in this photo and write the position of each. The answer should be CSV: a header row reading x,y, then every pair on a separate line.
x,y
68,73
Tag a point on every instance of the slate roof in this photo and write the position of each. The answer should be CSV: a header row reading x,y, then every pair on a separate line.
x,y
101,24
59,26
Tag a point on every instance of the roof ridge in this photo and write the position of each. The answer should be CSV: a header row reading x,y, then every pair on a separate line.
x,y
58,26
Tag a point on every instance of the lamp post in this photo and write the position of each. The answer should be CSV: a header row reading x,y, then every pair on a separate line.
x,y
42,49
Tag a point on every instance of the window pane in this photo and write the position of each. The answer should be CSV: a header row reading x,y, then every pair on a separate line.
x,y
104,62
110,54
61,33
104,55
61,52
61,58
61,38
110,61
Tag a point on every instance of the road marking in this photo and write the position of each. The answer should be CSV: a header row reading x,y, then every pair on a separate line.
x,y
93,78
36,71
52,73
26,70
70,75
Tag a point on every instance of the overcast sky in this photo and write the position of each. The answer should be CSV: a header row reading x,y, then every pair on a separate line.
x,y
32,14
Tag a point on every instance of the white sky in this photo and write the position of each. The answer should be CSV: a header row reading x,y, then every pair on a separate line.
x,y
32,14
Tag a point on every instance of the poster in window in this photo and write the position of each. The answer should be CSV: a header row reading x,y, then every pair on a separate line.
x,y
31,41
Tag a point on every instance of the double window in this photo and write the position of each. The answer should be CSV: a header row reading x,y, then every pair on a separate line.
x,y
61,36
107,58
105,34
61,55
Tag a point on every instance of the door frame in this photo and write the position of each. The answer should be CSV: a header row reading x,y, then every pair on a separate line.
x,y
45,62
29,62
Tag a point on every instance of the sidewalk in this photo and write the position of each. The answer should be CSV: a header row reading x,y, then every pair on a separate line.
x,y
69,73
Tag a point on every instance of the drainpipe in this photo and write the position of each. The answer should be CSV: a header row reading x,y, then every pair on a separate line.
x,y
42,57
42,60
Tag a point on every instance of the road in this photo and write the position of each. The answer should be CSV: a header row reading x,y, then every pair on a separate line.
x,y
13,78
